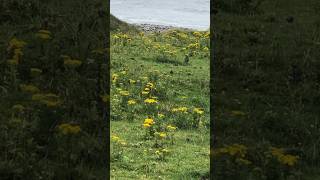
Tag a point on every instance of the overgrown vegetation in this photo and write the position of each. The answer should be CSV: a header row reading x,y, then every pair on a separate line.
x,y
52,83
266,90
160,105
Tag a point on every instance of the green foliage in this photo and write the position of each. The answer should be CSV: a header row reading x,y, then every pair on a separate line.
x,y
266,89
156,119
52,124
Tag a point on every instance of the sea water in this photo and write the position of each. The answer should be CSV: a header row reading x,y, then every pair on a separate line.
x,y
194,14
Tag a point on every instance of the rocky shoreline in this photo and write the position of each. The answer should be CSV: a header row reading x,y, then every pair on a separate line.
x,y
152,28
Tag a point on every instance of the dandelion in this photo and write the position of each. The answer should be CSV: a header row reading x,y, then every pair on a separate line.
x,y
66,128
165,150
44,34
150,101
171,128
131,102
144,92
115,138
114,78
124,93
150,85
160,115
132,81
197,34
146,125
180,109
148,121
283,158
198,110
163,135
16,44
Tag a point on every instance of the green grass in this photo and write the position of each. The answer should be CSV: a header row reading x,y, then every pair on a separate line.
x,y
188,157
51,133
267,68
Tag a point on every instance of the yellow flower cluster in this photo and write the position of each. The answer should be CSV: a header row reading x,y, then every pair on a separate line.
x,y
180,109
124,93
67,128
149,86
114,78
238,150
171,128
283,158
29,88
198,110
44,34
15,46
148,122
118,140
161,135
150,101
72,63
131,102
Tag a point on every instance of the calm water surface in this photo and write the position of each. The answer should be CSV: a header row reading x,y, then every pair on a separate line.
x,y
193,14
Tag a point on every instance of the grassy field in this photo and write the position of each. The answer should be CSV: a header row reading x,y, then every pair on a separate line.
x,y
52,116
266,89
160,105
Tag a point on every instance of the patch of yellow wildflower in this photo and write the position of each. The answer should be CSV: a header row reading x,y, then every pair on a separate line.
x,y
67,128
283,158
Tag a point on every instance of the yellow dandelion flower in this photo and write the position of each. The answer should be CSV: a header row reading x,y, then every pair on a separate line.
x,y
114,77
144,92
198,110
171,128
16,44
165,150
67,128
162,135
146,125
124,93
132,81
149,121
44,34
150,101
115,138
131,102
